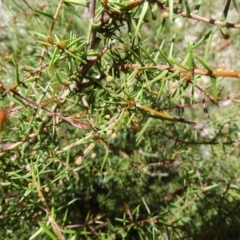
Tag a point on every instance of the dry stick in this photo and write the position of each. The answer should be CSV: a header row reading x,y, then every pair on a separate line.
x,y
208,20
206,94
74,144
202,72
195,16
55,16
11,146
102,224
79,124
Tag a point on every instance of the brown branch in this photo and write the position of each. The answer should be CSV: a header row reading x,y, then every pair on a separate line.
x,y
208,20
196,71
7,147
72,121
55,16
196,17
94,32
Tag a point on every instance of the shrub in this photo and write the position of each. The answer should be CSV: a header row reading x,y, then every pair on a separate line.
x,y
118,120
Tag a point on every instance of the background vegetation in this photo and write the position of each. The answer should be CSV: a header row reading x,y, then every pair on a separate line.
x,y
123,121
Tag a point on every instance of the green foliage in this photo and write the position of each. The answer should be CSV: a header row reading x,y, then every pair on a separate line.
x,y
118,125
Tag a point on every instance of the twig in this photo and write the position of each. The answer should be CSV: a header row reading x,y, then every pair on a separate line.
x,y
50,30
11,146
196,71
94,32
55,16
208,20
74,122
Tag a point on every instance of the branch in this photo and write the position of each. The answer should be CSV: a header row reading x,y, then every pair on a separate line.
x,y
94,32
196,71
208,20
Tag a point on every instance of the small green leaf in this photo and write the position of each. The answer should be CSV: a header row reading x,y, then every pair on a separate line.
x,y
197,7
172,47
37,12
140,134
190,58
207,48
48,232
77,2
205,37
142,16
225,11
54,58
154,8
203,63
